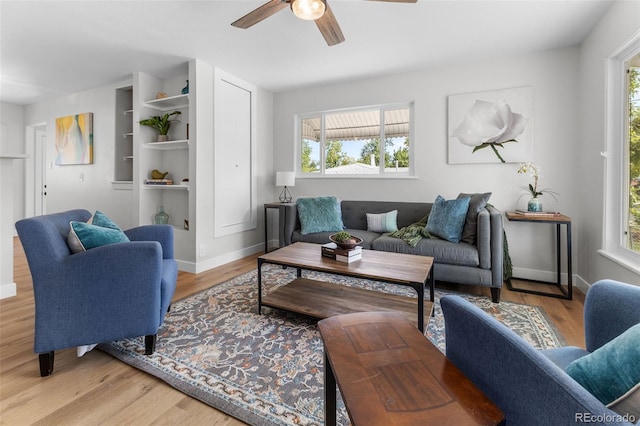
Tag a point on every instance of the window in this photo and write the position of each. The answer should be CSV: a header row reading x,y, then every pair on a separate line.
x,y
621,236
632,155
374,141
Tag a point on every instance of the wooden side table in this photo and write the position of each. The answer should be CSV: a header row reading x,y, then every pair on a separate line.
x,y
557,220
281,217
389,374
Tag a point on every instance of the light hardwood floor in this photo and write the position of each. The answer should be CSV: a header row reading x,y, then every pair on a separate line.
x,y
98,389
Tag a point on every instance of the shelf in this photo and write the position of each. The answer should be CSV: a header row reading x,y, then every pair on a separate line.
x,y
129,111
174,187
172,102
180,144
126,135
122,185
128,157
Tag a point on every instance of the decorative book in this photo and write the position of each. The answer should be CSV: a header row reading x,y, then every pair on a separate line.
x,y
332,251
528,213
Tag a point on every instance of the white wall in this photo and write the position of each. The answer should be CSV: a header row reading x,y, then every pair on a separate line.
x,y
618,25
95,192
554,78
13,117
65,190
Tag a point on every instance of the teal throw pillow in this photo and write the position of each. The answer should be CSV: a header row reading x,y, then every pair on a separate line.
x,y
383,222
101,219
476,203
447,217
320,214
101,231
611,370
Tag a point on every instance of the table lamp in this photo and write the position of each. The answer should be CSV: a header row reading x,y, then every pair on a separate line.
x,y
285,179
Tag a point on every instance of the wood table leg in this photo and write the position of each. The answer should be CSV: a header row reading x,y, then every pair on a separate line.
x,y
329,393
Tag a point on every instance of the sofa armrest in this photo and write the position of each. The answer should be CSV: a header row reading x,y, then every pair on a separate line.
x,y
526,385
490,243
290,221
610,308
160,233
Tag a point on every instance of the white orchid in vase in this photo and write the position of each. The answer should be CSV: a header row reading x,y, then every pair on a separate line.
x,y
490,125
533,170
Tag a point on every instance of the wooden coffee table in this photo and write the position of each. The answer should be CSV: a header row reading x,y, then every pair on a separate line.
x,y
391,374
320,299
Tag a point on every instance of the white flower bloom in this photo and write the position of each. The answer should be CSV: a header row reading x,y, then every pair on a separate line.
x,y
490,123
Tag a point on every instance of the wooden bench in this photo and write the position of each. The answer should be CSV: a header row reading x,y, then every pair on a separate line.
x,y
389,373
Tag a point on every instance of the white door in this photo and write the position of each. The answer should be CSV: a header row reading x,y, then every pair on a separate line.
x,y
40,169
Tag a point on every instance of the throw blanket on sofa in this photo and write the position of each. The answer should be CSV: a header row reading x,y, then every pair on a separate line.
x,y
413,233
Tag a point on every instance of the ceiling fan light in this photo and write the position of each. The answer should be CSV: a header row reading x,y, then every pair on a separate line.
x,y
308,9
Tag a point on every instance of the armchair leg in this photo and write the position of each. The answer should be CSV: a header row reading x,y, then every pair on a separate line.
x,y
495,295
46,363
150,344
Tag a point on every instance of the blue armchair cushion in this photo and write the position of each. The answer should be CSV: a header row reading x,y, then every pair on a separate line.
x,y
383,222
84,236
447,218
319,214
612,370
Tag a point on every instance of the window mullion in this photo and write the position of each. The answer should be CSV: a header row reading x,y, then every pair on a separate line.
x,y
382,147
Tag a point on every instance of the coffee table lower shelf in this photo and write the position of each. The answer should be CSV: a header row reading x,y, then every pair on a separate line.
x,y
319,299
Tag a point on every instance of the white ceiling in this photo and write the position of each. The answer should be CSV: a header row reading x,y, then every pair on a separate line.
x,y
51,48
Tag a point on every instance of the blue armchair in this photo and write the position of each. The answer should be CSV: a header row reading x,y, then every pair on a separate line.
x,y
530,385
111,292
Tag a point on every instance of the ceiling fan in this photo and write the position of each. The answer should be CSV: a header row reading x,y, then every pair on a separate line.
x,y
311,10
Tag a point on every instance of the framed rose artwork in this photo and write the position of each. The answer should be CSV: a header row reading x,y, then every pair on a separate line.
x,y
491,127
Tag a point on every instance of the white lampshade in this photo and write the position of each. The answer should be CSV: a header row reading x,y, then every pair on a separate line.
x,y
285,178
308,9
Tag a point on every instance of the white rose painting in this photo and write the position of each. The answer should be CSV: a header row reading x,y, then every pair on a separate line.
x,y
491,127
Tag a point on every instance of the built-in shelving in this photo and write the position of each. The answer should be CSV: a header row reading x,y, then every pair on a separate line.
x,y
123,167
168,145
171,187
171,102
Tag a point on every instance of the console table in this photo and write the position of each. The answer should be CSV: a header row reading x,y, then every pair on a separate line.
x,y
389,373
557,220
281,217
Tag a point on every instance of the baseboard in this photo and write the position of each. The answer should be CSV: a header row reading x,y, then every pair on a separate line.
x,y
214,262
550,276
7,290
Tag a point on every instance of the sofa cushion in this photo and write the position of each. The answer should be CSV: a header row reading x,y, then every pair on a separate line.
x,y
447,218
383,222
442,251
319,214
612,370
476,203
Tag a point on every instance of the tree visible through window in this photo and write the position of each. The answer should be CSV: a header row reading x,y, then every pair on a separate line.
x,y
633,85
356,142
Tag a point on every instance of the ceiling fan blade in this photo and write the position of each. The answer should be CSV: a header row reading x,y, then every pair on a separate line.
x,y
329,27
261,13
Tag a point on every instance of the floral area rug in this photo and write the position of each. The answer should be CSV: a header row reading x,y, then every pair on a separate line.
x,y
268,369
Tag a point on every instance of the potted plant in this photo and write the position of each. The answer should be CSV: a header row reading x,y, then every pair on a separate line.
x,y
345,240
161,124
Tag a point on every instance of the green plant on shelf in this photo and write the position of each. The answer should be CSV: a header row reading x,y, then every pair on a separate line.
x,y
161,123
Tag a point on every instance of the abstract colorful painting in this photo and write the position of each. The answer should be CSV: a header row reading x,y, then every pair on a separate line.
x,y
491,127
74,139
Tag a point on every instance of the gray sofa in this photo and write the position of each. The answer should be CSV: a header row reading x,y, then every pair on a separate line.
x,y
462,263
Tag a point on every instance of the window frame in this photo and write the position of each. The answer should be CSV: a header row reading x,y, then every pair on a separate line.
x,y
382,174
616,170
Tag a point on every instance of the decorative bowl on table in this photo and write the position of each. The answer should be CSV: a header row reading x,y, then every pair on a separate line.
x,y
346,244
